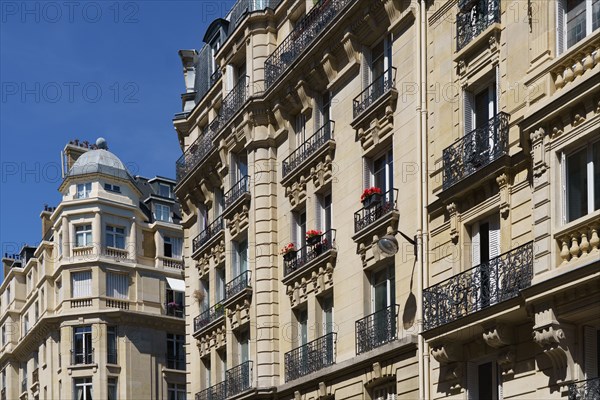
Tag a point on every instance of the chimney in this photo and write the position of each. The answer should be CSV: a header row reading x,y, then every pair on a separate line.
x,y
188,59
46,222
72,151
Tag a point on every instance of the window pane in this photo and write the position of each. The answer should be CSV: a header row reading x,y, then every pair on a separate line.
x,y
596,160
596,15
577,185
575,21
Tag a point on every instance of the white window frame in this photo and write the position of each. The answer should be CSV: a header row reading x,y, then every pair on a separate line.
x,y
177,390
473,379
564,155
562,42
83,235
113,233
385,392
390,282
84,190
162,212
84,383
161,187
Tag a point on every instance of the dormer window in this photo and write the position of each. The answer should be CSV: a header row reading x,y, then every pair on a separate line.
x,y
162,212
84,190
164,190
112,188
215,45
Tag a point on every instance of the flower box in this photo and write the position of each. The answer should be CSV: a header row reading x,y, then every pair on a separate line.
x,y
313,237
371,196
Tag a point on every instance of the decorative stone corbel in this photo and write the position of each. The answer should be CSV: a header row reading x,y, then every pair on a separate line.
x,y
578,115
297,191
506,362
304,93
453,222
297,395
351,45
498,336
503,181
462,67
557,128
330,67
549,334
493,43
538,153
322,172
322,392
447,353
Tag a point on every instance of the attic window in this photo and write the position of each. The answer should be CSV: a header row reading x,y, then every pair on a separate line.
x,y
164,190
112,188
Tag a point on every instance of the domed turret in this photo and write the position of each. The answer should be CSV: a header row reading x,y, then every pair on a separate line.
x,y
99,160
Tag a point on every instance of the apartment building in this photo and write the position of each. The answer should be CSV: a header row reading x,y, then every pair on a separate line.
x,y
96,310
392,199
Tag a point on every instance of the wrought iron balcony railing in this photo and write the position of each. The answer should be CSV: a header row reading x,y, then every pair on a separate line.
x,y
238,284
311,357
197,151
214,77
308,148
234,100
176,361
175,310
215,392
473,18
299,259
243,7
209,316
239,378
585,390
238,189
490,283
374,211
377,329
305,32
475,150
80,357
380,86
208,233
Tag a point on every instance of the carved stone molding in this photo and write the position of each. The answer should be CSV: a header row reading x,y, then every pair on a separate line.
x,y
215,338
330,67
494,44
549,334
317,282
238,221
378,130
452,210
214,254
578,115
506,362
503,181
239,313
296,192
556,128
305,95
351,47
323,392
538,152
498,336
447,353
322,173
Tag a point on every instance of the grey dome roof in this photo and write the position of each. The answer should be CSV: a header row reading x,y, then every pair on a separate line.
x,y
99,161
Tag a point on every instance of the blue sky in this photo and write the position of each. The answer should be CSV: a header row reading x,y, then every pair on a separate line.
x,y
84,69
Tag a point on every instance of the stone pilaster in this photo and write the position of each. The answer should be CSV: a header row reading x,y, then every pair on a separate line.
x,y
542,193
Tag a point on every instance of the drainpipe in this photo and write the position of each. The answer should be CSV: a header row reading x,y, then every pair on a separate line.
x,y
423,196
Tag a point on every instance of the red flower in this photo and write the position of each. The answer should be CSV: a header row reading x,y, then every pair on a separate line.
x,y
368,192
288,248
313,232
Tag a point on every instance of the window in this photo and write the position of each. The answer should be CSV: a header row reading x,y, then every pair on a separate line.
x,y
172,247
25,324
117,285
206,371
8,297
175,303
59,292
36,357
379,172
219,203
42,299
582,187
176,391
83,235
576,19
36,307
220,278
111,345
3,335
3,378
300,129
215,45
299,228
175,351
82,389
480,107
327,314
383,288
376,61
240,257
112,388
482,381
82,345
387,392
205,288
591,347
485,246
302,321
164,190
84,190
29,282
222,364
325,109
239,167
324,212
244,346
115,237
81,283
109,187
162,213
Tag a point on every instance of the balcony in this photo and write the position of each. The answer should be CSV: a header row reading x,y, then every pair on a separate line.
x,y
114,252
82,357
311,357
301,259
474,17
243,7
175,310
197,151
238,284
371,213
239,189
207,234
234,100
309,148
475,150
377,329
215,76
215,392
238,379
209,316
585,390
175,361
488,284
376,90
306,31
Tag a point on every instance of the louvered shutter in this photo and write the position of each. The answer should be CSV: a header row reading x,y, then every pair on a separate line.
x,y
366,172
475,245
469,101
235,259
366,67
232,170
319,213
317,113
560,27
472,381
294,230
494,236
494,269
590,344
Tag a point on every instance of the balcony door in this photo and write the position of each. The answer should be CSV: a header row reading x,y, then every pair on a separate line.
x,y
82,345
240,261
299,229
485,248
480,131
239,167
379,172
381,61
383,297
